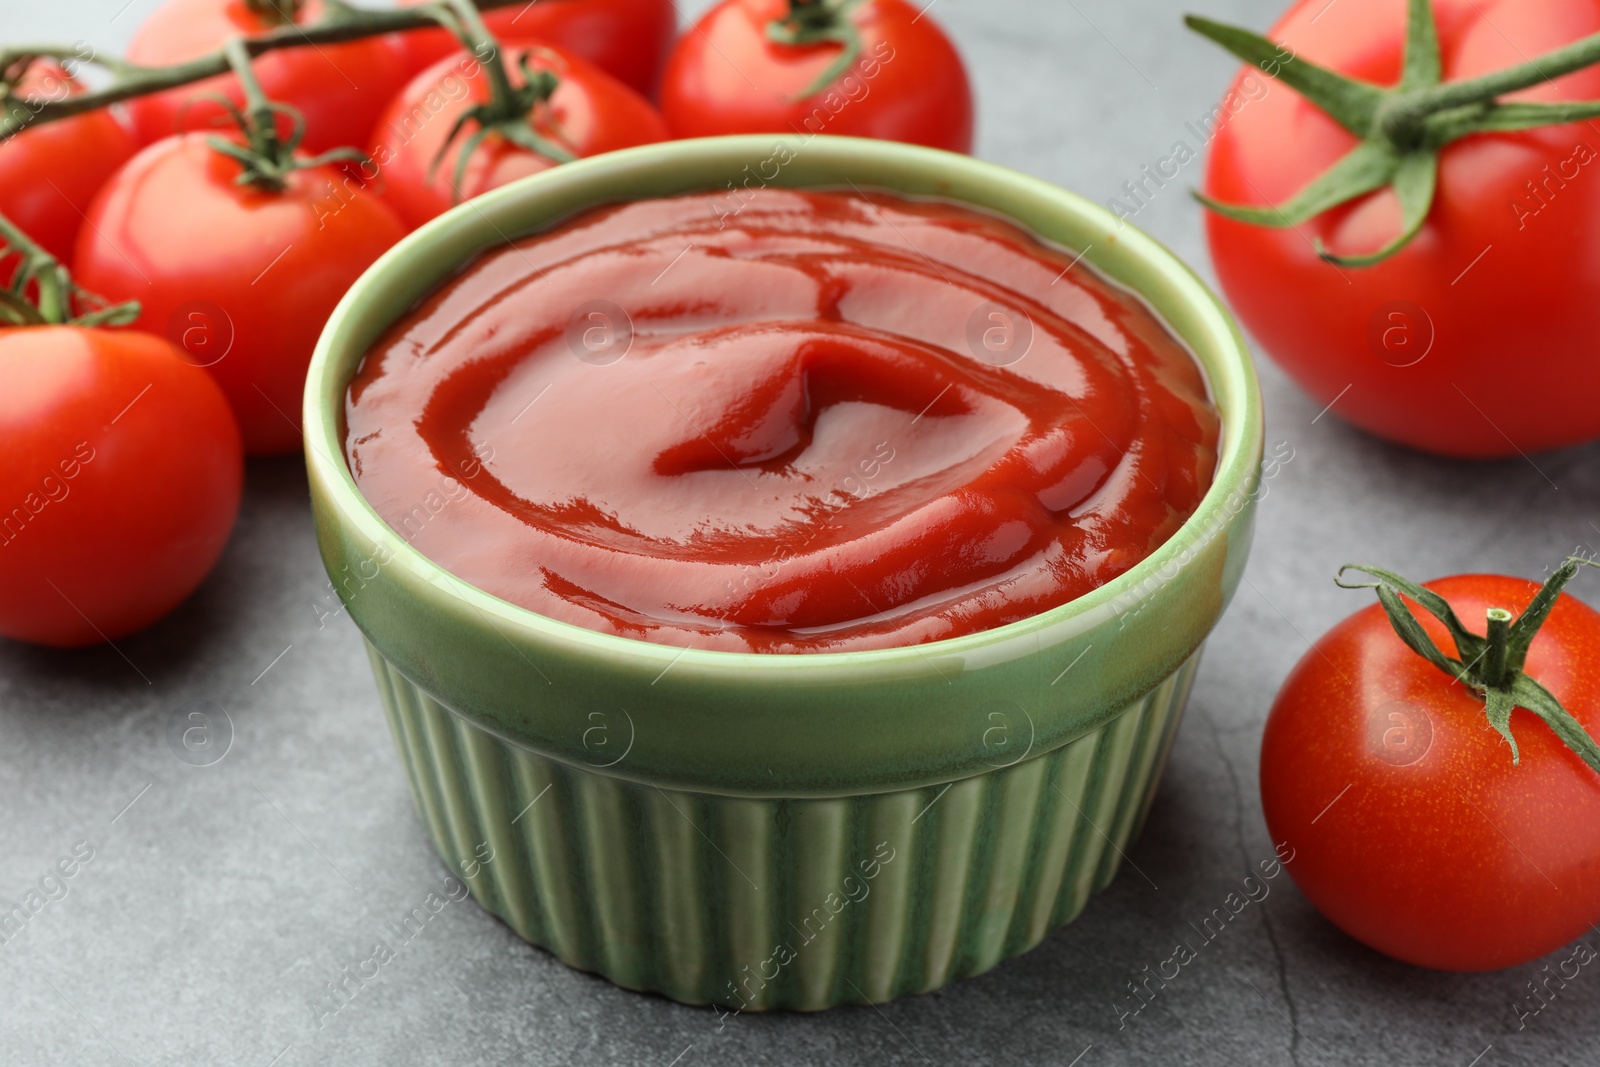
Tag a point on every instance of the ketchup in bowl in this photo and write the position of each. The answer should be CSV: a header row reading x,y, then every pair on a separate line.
x,y
803,422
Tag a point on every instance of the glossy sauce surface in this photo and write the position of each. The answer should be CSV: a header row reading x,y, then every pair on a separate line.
x,y
793,422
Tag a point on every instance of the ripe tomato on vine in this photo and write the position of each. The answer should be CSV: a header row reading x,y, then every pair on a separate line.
x,y
1445,807
858,68
1408,232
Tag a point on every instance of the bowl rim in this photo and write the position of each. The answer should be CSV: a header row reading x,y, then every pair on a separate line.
x,y
432,248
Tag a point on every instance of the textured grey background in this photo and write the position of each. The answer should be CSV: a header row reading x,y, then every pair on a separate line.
x,y
225,898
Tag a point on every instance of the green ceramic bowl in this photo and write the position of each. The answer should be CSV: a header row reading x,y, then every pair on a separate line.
x,y
782,831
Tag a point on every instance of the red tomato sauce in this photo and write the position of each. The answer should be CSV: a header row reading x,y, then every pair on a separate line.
x,y
801,422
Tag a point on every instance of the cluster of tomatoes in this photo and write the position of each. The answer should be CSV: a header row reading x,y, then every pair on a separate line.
x,y
234,278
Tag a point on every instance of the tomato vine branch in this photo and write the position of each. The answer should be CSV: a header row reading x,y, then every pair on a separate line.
x,y
281,12
339,23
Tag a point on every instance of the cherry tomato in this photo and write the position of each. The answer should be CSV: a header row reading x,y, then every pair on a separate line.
x,y
49,173
121,481
1475,340
908,83
240,278
590,112
339,89
1412,828
628,39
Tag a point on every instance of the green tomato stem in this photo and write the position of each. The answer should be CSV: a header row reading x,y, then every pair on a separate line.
x,y
1493,671
1405,125
278,12
54,302
812,22
1578,55
55,298
266,159
477,39
1490,664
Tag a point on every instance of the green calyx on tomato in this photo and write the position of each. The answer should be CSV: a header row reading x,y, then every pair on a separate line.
x,y
508,107
506,115
1402,128
266,156
812,22
55,299
1490,664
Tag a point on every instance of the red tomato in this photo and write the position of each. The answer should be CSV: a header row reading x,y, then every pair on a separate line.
x,y
120,484
628,39
242,279
727,76
339,89
49,173
1475,339
590,112
1412,828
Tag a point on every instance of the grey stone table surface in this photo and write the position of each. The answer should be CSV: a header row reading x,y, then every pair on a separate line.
x,y
221,901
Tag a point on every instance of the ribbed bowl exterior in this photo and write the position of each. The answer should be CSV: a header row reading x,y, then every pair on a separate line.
x,y
759,903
